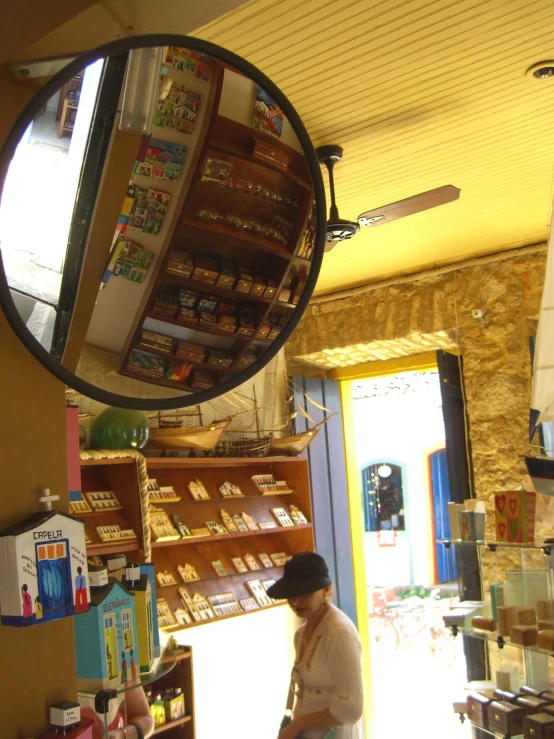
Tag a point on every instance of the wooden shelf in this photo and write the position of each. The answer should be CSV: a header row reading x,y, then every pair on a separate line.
x,y
162,381
171,629
201,329
228,148
255,574
173,358
171,725
223,292
111,547
243,236
227,537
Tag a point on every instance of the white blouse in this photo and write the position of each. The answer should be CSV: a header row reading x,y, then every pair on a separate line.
x,y
329,675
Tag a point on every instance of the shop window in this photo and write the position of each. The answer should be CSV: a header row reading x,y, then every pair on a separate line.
x,y
383,499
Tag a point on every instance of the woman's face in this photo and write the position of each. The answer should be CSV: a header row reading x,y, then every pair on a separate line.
x,y
306,605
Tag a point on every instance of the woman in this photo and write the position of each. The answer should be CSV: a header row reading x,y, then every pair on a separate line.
x,y
327,674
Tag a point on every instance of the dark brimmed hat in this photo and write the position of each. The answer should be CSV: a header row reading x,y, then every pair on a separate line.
x,y
305,573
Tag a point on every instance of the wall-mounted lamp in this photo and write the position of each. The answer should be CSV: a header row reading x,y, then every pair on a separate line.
x,y
140,91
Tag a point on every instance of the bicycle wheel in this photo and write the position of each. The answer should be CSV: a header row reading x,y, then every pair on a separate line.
x,y
442,646
382,634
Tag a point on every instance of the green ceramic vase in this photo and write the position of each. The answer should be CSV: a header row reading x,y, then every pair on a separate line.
x,y
119,428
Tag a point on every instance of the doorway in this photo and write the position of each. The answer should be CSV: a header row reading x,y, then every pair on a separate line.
x,y
397,444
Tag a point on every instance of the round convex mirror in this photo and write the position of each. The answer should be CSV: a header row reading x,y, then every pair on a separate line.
x,y
161,223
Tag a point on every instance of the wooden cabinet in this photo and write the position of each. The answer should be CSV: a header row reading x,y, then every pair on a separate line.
x,y
121,477
181,676
200,552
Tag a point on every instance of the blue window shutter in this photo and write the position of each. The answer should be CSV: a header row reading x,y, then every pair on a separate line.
x,y
327,466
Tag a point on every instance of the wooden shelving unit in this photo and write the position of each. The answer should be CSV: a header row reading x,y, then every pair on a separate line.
x,y
232,142
201,551
181,676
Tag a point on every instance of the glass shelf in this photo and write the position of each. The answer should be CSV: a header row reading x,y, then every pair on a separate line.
x,y
493,545
501,641
497,734
166,663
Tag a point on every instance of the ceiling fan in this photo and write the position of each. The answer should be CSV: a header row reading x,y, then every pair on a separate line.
x,y
340,230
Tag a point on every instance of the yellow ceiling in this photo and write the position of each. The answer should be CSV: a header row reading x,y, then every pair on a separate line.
x,y
420,94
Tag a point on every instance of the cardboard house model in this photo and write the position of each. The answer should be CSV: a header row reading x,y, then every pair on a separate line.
x,y
139,585
44,569
106,639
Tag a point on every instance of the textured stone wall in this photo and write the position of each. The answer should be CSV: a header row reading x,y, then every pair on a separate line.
x,y
436,312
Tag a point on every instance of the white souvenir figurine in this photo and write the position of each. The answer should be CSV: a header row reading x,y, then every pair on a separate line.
x,y
43,562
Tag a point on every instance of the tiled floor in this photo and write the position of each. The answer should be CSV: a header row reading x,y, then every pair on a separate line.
x,y
45,132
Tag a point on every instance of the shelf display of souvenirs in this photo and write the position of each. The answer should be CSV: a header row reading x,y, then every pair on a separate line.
x,y
79,507
230,490
165,579
161,527
216,270
103,501
250,560
219,172
197,490
228,522
224,604
166,619
216,528
158,494
188,573
268,485
282,517
258,592
114,533
219,568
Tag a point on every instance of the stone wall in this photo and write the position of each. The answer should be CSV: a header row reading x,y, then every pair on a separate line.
x,y
434,311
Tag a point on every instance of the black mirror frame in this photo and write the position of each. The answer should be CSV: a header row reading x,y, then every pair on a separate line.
x,y
8,150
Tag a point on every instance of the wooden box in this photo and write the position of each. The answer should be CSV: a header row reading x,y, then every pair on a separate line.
x,y
187,316
531,703
246,327
545,639
258,286
154,340
271,289
547,695
180,263
538,726
206,270
477,709
202,380
265,151
506,718
220,357
525,636
190,351
244,282
505,695
188,298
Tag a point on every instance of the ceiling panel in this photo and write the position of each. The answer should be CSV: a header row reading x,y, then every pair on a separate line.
x,y
419,94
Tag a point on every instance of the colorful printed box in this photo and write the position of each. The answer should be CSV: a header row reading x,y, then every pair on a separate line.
x,y
515,516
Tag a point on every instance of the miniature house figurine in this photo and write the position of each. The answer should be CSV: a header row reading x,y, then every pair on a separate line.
x,y
44,568
139,585
106,639
147,568
66,721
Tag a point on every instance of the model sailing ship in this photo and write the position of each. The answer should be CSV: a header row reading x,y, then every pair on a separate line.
x,y
540,465
292,443
171,433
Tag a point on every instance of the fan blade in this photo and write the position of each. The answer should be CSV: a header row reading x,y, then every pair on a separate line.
x,y
409,206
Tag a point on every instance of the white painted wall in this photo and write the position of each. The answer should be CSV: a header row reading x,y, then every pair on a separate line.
x,y
241,673
399,418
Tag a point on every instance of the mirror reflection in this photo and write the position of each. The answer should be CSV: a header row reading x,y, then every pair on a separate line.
x,y
170,227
